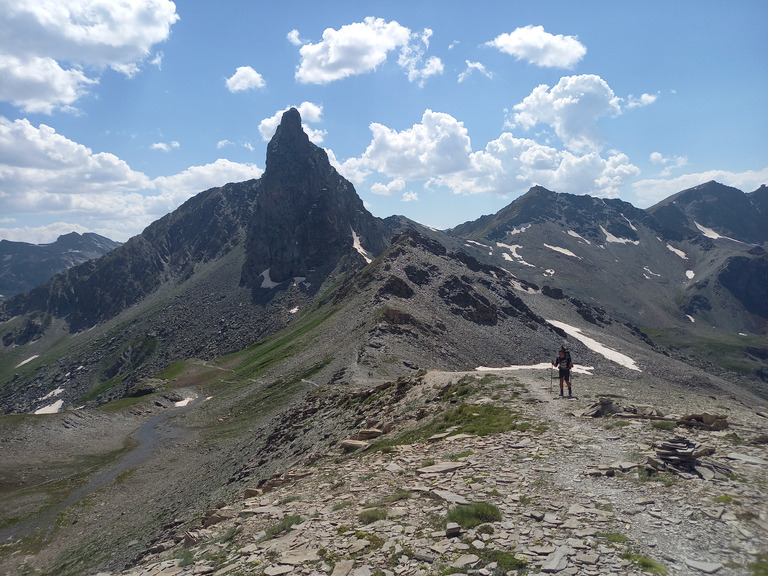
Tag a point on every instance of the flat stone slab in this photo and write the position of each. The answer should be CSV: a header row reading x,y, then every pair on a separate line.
x,y
278,569
706,567
299,556
746,458
465,560
449,496
556,561
442,467
343,568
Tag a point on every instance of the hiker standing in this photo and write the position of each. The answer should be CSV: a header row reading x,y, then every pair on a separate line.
x,y
564,365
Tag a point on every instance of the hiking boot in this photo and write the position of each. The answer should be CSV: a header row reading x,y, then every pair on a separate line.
x,y
569,391
561,392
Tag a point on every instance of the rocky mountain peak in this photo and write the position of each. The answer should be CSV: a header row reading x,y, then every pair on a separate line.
x,y
307,215
290,148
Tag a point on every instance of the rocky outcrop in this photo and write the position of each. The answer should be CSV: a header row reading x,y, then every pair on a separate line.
x,y
307,216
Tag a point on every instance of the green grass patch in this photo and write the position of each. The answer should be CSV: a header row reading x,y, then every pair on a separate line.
x,y
480,420
644,563
283,526
614,537
505,560
760,566
471,515
372,515
459,455
663,425
617,424
402,495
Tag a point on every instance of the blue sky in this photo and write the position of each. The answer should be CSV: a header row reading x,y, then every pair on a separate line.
x,y
114,112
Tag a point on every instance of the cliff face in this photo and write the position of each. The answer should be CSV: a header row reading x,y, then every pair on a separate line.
x,y
307,215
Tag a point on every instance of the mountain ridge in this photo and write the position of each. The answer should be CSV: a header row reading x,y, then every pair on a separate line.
x,y
24,266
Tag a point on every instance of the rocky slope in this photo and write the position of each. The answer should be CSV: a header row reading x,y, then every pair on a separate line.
x,y
574,493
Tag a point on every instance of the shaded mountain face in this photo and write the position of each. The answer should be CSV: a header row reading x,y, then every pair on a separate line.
x,y
306,216
715,209
203,228
660,267
24,266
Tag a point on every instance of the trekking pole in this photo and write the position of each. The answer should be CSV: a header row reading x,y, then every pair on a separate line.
x,y
550,379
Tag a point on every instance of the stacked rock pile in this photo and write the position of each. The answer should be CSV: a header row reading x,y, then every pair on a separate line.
x,y
682,457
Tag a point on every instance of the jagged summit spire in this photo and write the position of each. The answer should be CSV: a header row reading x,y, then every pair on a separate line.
x,y
290,147
306,213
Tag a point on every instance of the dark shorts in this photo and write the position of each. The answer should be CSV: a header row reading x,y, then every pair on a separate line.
x,y
565,373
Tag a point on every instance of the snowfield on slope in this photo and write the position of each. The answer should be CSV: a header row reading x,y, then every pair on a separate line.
x,y
595,346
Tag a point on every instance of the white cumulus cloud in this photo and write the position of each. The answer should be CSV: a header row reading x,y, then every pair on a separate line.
x,y
412,58
651,191
669,163
395,186
472,67
245,78
165,146
534,44
438,144
572,108
352,49
360,47
51,52
438,151
293,37
642,100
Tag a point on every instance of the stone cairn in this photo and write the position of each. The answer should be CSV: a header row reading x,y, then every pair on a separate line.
x,y
682,457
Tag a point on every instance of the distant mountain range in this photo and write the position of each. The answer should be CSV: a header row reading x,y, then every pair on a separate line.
x,y
24,266
237,264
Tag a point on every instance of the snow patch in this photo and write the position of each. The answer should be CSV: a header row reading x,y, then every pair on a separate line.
x,y
595,346
51,408
549,272
579,236
520,288
562,251
51,394
479,244
184,402
628,222
616,240
680,253
294,310
359,247
651,273
690,274
541,366
513,248
518,230
27,360
267,281
691,318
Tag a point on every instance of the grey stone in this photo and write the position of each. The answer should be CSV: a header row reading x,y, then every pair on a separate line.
x,y
706,567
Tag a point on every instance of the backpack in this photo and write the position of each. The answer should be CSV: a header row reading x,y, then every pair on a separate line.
x,y
567,356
